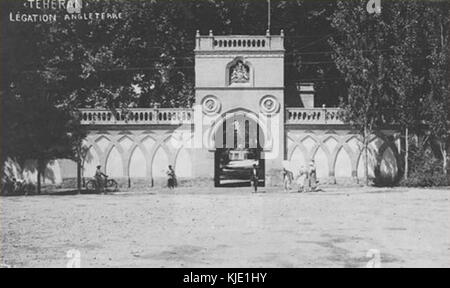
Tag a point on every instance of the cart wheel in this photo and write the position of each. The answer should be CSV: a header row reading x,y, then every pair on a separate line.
x,y
91,186
112,185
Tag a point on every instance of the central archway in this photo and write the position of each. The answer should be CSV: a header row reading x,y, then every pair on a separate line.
x,y
239,142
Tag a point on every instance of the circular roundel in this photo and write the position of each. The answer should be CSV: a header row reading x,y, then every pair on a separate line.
x,y
211,105
269,105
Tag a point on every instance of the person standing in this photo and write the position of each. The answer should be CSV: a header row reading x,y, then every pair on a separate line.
x,y
287,179
302,180
171,181
254,178
100,179
312,176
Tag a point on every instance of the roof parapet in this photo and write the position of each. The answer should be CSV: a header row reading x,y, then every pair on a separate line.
x,y
239,42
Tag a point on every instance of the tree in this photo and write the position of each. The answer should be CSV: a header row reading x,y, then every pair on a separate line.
x,y
396,68
420,75
41,132
359,47
408,77
38,125
438,98
79,151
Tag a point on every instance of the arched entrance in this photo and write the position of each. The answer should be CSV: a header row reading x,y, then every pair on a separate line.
x,y
238,146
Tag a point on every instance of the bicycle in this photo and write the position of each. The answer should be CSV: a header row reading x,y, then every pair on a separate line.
x,y
110,185
17,188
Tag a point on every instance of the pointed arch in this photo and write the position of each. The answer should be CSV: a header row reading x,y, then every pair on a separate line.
x,y
266,138
354,143
114,163
298,158
388,165
321,157
332,143
160,162
342,166
91,161
372,164
137,165
310,143
52,173
148,142
103,143
183,164
126,143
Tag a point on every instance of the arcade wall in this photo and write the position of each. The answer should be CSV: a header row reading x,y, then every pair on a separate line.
x,y
140,157
143,156
339,156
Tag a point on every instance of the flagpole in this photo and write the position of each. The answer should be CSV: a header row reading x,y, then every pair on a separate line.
x,y
268,16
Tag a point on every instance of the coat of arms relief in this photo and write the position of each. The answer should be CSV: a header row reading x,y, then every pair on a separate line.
x,y
239,73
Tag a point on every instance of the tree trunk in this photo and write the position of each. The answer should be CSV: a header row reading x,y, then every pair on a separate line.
x,y
79,176
41,166
366,157
444,160
39,180
406,153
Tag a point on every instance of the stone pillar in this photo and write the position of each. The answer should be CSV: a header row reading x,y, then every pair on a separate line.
x,y
332,177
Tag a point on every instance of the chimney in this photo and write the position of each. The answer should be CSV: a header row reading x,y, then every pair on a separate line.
x,y
306,93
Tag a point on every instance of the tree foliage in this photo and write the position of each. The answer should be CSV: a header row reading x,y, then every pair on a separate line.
x,y
100,63
39,131
438,98
396,66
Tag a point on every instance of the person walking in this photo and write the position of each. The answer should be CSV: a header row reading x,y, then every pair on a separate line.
x,y
172,179
254,178
312,176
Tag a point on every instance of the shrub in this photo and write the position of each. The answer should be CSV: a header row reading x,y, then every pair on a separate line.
x,y
425,170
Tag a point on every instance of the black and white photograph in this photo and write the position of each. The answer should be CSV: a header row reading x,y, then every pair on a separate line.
x,y
231,134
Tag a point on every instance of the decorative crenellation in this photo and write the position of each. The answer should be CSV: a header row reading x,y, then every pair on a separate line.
x,y
313,116
150,116
239,42
137,116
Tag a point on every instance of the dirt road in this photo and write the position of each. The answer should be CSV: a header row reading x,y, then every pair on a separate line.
x,y
229,228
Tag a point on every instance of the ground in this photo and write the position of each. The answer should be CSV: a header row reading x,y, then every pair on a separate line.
x,y
229,228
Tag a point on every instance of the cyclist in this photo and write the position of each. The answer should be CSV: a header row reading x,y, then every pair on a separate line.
x,y
100,178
